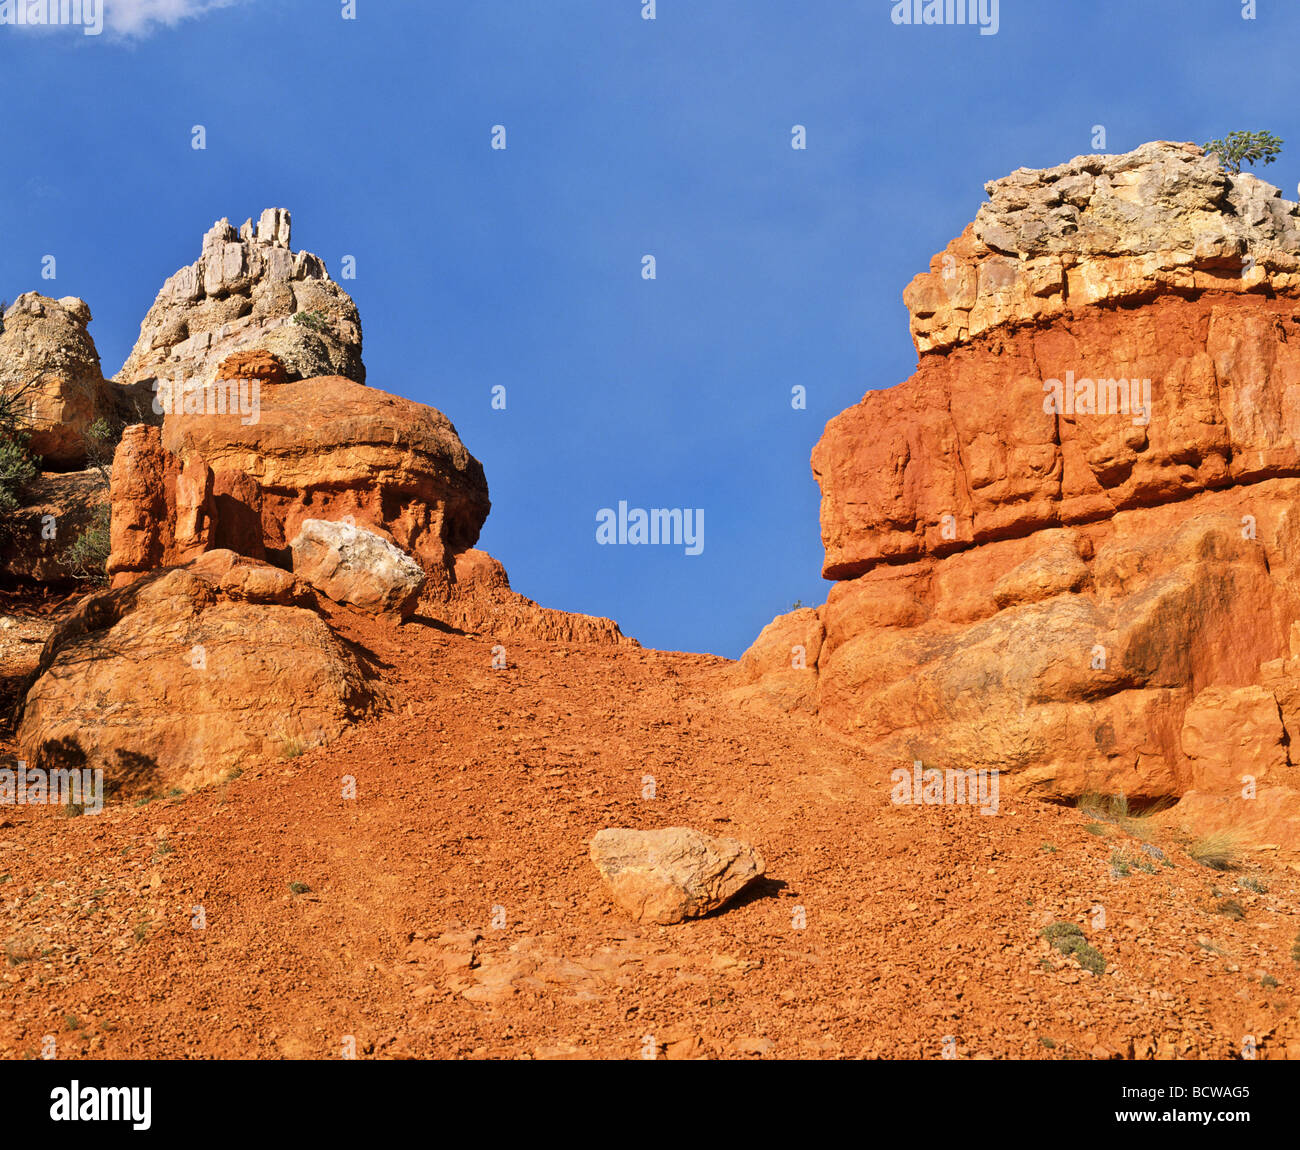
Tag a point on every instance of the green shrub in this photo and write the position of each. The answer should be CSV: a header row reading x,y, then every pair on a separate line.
x,y
15,413
87,558
311,319
1090,958
1122,864
1239,148
1061,930
1070,940
17,469
17,466
101,439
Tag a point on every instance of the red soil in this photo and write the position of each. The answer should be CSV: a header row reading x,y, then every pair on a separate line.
x,y
482,791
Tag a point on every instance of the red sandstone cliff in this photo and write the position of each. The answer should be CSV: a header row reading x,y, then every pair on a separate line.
x,y
1064,547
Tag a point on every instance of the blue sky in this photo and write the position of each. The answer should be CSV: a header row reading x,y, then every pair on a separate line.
x,y
625,137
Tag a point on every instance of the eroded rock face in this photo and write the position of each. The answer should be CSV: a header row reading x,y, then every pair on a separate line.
x,y
260,365
1229,732
473,594
1066,547
325,448
248,291
964,660
781,664
46,351
965,453
351,565
670,875
1163,219
158,517
188,673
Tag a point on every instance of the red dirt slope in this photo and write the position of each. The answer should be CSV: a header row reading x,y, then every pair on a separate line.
x,y
475,803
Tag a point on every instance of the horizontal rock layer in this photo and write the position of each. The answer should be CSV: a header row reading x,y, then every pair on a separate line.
x,y
1163,219
1066,548
324,448
972,449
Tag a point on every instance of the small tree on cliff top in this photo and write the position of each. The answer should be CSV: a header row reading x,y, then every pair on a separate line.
x,y
1244,148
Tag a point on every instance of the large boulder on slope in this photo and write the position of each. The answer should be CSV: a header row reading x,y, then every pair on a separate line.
x,y
188,673
351,565
667,876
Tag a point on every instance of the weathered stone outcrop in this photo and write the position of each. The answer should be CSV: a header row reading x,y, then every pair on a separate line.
x,y
251,447
781,664
1066,547
474,595
1077,690
325,448
1165,219
159,517
260,365
1172,273
47,354
354,566
188,673
248,291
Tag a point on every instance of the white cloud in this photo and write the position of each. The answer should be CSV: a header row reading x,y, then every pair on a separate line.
x,y
141,17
